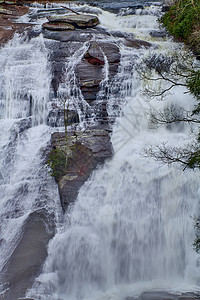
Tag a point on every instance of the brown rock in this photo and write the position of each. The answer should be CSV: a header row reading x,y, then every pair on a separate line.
x,y
79,21
7,26
88,149
5,11
58,26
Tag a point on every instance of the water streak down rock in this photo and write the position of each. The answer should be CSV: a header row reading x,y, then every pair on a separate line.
x,y
26,261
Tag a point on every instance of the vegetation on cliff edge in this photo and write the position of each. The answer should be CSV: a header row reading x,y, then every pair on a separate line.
x,y
183,22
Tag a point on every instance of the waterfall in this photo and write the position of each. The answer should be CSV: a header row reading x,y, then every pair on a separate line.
x,y
131,227
26,185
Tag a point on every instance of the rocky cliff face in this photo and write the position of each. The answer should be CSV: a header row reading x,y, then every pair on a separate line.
x,y
86,149
99,62
9,12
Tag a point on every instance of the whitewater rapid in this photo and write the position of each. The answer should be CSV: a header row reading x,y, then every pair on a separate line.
x,y
131,228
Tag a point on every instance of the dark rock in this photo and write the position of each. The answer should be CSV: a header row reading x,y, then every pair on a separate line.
x,y
93,60
117,6
78,35
25,299
78,21
157,296
89,76
137,44
90,70
111,51
161,295
88,149
95,51
30,253
158,34
189,296
90,92
56,117
122,34
165,8
68,36
58,26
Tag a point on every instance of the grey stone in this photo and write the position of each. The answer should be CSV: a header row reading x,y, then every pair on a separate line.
x,y
157,296
56,117
30,253
80,21
158,34
137,44
58,26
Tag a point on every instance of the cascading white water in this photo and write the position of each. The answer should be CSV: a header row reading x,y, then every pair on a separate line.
x,y
131,228
69,92
25,183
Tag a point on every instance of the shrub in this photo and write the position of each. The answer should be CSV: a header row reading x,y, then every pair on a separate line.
x,y
57,162
181,19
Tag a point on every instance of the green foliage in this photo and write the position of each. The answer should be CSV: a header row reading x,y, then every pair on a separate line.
x,y
193,83
57,158
182,18
57,162
194,160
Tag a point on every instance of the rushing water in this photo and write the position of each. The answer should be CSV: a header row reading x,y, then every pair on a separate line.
x,y
25,183
131,228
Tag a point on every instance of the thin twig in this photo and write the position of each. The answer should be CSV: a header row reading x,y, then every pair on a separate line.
x,y
70,9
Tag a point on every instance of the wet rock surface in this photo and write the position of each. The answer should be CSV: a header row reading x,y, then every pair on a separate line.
x,y
137,44
161,295
58,26
78,21
8,13
56,117
93,145
26,261
87,149
90,70
158,34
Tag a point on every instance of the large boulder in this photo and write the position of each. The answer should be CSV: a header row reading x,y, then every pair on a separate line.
x,y
78,21
90,70
86,150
